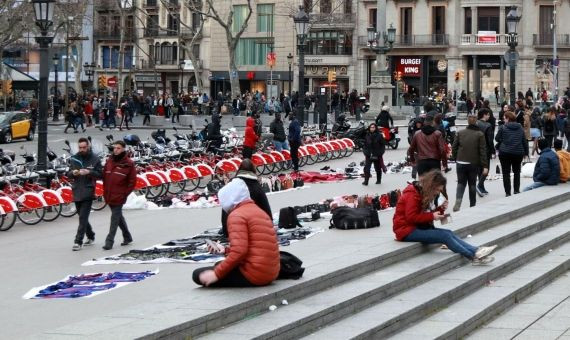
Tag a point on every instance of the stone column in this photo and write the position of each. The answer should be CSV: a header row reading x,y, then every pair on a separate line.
x,y
476,78
474,15
502,18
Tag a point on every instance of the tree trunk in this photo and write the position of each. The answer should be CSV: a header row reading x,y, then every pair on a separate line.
x,y
77,68
197,72
233,70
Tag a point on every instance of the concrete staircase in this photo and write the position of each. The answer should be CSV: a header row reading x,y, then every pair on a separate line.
x,y
362,285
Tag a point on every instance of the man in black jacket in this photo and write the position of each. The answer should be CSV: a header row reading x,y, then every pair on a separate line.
x,y
278,131
85,168
294,140
214,134
483,123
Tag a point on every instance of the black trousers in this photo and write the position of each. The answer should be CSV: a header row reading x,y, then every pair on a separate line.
x,y
426,165
294,146
467,175
511,162
368,164
83,210
124,119
482,177
234,278
146,119
117,221
549,140
247,152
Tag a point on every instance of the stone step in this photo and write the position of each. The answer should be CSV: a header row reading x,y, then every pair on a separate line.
x,y
303,316
462,317
401,311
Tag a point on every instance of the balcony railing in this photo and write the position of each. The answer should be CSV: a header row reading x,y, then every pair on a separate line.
x,y
562,40
416,40
156,32
112,34
485,39
320,19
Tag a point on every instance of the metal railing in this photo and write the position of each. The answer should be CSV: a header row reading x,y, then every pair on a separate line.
x,y
157,32
562,40
332,18
112,34
416,40
485,39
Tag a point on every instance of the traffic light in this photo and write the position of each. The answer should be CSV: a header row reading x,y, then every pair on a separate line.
x,y
7,87
332,76
102,81
459,75
397,75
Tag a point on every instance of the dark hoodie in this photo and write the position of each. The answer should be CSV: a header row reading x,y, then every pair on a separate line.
x,y
277,129
511,140
428,143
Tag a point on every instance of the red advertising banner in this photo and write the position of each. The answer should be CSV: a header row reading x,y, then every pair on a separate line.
x,y
409,66
271,59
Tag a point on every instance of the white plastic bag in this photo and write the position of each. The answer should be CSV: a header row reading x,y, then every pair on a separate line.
x,y
528,170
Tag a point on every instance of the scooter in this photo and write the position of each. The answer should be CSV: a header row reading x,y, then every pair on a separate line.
x,y
394,138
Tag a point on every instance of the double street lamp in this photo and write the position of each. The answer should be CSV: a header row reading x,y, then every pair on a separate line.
x,y
513,19
301,20
182,65
55,101
290,62
89,72
43,10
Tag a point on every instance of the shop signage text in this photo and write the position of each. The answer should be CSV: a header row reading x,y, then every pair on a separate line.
x,y
324,70
410,67
143,78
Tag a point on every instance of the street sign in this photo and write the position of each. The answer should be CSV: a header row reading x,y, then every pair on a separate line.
x,y
511,56
112,82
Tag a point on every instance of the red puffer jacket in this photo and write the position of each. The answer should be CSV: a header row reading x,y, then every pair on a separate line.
x,y
250,136
253,245
119,178
409,213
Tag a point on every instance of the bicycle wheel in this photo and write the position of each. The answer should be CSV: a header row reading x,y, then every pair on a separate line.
x,y
203,182
176,187
68,209
30,216
303,161
52,212
348,152
98,203
155,191
191,184
312,159
8,221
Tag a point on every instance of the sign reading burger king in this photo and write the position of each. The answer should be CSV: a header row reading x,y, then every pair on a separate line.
x,y
409,66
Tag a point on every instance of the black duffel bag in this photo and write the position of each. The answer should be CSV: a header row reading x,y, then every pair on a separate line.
x,y
354,218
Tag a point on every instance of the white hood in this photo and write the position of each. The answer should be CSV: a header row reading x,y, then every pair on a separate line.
x,y
233,194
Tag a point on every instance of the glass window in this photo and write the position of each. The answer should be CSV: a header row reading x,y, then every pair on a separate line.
x,y
308,5
249,52
106,56
326,6
438,20
329,43
196,50
372,18
240,13
115,57
128,62
348,6
265,18
488,19
468,19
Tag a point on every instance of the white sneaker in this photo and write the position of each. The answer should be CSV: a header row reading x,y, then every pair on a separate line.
x,y
76,247
482,252
483,260
89,242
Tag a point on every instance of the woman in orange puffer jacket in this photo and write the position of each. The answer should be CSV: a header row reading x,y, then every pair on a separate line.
x,y
253,256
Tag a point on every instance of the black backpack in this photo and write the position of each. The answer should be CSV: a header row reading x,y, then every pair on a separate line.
x,y
290,266
354,218
288,218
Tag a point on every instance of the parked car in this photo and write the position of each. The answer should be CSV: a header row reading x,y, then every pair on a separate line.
x,y
15,125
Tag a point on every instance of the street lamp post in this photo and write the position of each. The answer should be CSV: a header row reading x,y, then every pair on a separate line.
x,y
89,72
43,10
512,20
290,62
70,18
555,61
182,64
301,20
56,92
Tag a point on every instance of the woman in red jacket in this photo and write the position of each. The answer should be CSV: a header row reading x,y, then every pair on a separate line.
x,y
253,256
415,213
250,139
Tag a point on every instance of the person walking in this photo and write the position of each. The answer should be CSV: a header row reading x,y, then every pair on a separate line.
x,y
374,147
278,131
147,109
85,168
535,129
125,109
70,116
294,140
512,146
428,148
549,126
488,131
416,212
547,168
253,257
470,152
119,178
250,138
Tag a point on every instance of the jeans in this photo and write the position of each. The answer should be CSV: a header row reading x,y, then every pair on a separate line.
x,y
280,146
534,185
509,162
117,221
295,154
444,236
467,175
83,210
234,278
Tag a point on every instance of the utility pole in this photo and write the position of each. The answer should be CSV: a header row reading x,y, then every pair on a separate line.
x,y
554,55
70,18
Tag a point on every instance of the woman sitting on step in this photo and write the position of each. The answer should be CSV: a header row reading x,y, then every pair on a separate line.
x,y
416,212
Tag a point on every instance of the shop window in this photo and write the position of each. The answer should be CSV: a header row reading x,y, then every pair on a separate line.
x,y
330,42
265,18
240,13
488,19
373,18
468,21
249,52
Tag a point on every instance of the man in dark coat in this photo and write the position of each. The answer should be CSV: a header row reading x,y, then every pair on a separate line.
x,y
119,179
294,140
85,168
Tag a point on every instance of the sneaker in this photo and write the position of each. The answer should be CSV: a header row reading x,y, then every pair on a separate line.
x,y
76,247
484,191
483,252
479,191
482,261
89,242
126,243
